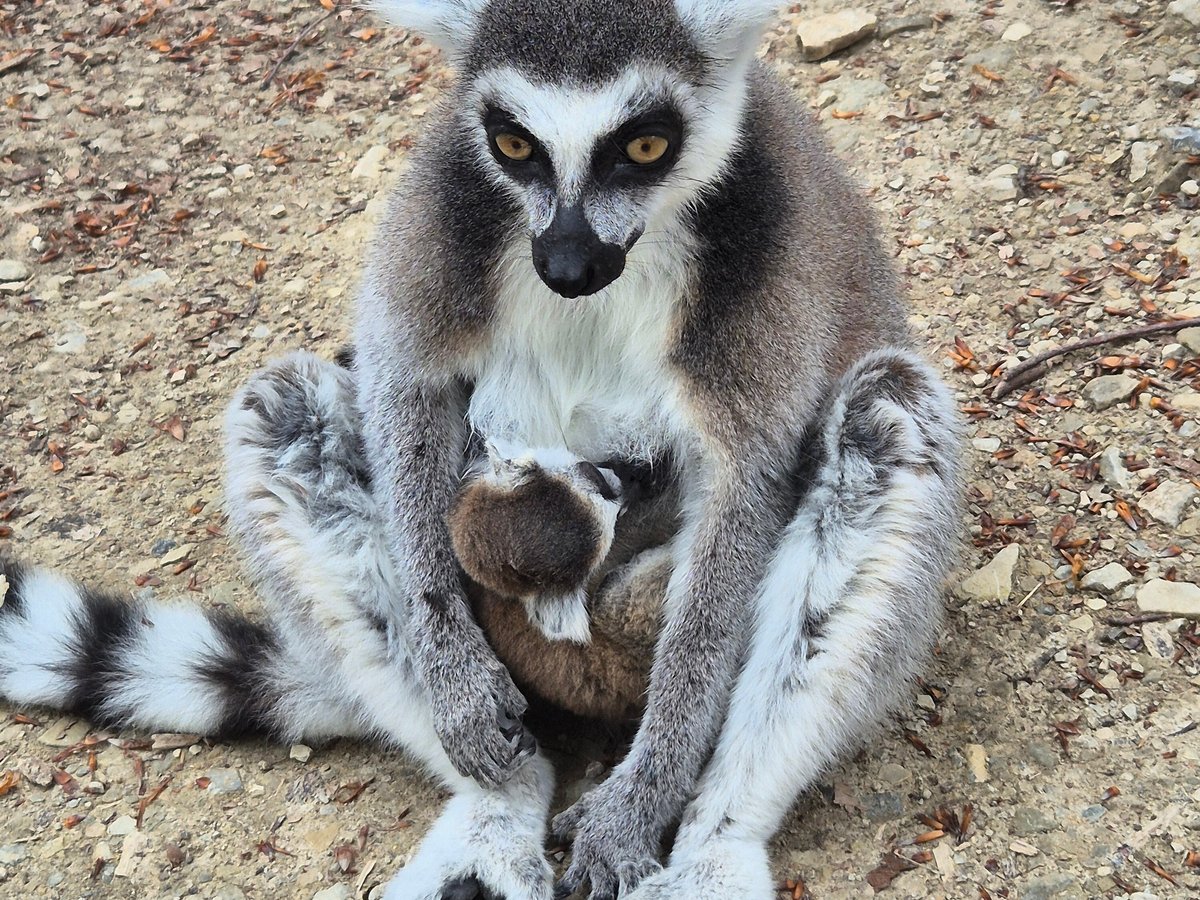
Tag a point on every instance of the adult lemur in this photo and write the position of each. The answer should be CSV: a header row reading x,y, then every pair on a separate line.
x,y
704,286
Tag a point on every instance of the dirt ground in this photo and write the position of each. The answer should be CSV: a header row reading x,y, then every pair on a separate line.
x,y
167,225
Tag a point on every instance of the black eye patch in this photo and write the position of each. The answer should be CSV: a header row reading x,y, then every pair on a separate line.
x,y
612,162
537,167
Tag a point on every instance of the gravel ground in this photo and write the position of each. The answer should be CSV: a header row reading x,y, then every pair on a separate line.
x,y
166,225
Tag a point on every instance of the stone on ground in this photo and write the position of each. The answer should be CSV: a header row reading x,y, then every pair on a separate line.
x,y
993,582
1176,598
1109,390
822,35
1108,580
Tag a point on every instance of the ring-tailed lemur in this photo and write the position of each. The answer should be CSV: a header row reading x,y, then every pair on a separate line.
x,y
622,235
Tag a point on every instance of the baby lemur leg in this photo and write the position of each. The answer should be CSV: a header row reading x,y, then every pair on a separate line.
x,y
300,503
845,618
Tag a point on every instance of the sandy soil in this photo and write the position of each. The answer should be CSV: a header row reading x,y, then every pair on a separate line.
x,y
166,225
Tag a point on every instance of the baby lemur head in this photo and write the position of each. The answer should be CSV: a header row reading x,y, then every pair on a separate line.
x,y
534,528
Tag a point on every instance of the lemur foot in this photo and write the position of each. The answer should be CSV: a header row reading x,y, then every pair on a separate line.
x,y
486,845
715,870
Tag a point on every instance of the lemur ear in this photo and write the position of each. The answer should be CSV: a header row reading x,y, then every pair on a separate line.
x,y
448,23
727,29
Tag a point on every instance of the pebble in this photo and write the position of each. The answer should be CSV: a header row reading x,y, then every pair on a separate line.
x,y
1190,338
1140,155
1029,820
1182,81
122,825
370,164
11,854
890,27
1109,390
1108,580
1190,188
821,36
1188,402
1060,158
994,581
1093,813
1113,471
1168,502
1001,188
162,546
300,752
1157,639
1060,884
1179,598
894,775
1017,31
223,781
13,270
977,763
337,892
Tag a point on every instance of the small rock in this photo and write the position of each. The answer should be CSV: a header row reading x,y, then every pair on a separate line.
x,y
176,554
820,36
894,775
1157,638
1017,31
13,270
1141,154
1093,813
162,546
977,762
1168,502
135,102
1045,887
1024,848
882,807
11,854
337,892
1190,338
986,444
1108,580
300,752
38,771
1113,471
370,165
122,825
1190,188
1188,402
1059,158
223,781
1177,598
1182,81
1029,820
993,582
1109,390
1001,189
1186,10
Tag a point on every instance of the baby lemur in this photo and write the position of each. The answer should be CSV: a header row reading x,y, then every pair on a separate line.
x,y
537,529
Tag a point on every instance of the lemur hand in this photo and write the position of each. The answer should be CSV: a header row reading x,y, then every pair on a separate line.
x,y
476,709
616,840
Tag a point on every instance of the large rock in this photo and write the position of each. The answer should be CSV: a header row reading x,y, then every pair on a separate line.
x,y
994,582
820,36
1176,598
1187,10
1168,502
1109,390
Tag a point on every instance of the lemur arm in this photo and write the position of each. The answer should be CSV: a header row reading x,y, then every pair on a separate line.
x,y
415,436
725,543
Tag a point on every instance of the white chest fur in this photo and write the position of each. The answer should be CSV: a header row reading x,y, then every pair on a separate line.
x,y
588,374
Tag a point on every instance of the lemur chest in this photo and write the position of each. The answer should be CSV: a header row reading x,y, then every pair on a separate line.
x,y
590,375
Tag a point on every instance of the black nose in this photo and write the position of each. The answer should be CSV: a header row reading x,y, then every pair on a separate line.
x,y
571,259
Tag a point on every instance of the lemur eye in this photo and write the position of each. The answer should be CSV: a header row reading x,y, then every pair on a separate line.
x,y
647,149
514,146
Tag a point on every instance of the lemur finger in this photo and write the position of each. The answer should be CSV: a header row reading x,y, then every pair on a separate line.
x,y
566,822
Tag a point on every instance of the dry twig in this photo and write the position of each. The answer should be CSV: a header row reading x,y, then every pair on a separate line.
x,y
1036,366
294,45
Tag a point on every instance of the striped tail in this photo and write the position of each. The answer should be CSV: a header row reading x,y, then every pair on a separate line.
x,y
149,665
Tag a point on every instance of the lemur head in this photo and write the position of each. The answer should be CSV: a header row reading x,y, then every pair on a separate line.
x,y
601,119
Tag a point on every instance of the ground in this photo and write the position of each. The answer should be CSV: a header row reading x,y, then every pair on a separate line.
x,y
169,220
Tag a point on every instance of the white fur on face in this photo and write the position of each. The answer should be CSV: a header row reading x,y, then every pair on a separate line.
x,y
570,120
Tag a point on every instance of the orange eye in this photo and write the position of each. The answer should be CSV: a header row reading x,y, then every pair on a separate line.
x,y
647,149
514,147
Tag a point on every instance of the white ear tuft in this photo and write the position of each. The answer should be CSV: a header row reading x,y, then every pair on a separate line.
x,y
727,29
448,23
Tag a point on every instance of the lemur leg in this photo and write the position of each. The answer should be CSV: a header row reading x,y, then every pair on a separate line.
x,y
300,502
845,618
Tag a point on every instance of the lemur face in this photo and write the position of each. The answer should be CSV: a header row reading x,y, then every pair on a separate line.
x,y
601,119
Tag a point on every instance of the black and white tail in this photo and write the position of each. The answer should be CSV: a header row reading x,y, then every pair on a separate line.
x,y
168,667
